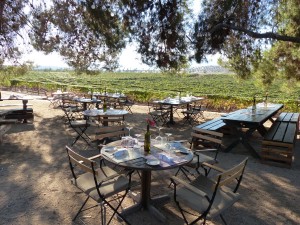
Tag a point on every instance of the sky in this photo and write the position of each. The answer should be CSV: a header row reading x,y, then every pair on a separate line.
x,y
129,59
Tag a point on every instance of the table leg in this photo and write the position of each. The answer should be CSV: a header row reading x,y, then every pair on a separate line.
x,y
146,203
25,109
171,121
243,139
262,130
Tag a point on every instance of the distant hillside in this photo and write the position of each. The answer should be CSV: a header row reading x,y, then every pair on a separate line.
x,y
209,69
195,70
50,68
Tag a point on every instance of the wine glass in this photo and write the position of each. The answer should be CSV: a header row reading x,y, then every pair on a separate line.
x,y
159,137
168,136
128,127
138,138
159,128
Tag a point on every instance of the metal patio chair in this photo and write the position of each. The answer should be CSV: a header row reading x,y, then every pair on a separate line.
x,y
159,113
193,114
208,197
203,141
126,104
78,125
100,183
107,134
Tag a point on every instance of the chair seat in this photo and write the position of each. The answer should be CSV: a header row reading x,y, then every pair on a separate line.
x,y
86,183
158,112
202,159
78,123
224,199
190,112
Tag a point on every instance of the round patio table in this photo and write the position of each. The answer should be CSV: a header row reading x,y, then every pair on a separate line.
x,y
101,113
135,158
85,101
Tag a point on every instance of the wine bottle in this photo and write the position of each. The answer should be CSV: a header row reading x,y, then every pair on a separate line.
x,y
147,140
104,106
254,104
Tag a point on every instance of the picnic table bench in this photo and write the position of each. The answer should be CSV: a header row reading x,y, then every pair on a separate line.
x,y
23,113
278,143
20,114
212,125
210,129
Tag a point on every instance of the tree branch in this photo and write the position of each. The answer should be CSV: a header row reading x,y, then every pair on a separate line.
x,y
270,35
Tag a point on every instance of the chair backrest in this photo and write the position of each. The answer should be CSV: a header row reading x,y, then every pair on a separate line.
x,y
85,164
232,175
106,132
106,119
206,138
152,106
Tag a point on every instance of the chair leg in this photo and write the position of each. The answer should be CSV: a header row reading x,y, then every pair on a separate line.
x,y
81,134
115,210
103,213
222,217
79,211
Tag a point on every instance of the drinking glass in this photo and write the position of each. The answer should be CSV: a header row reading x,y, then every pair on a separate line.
x,y
129,128
168,136
159,137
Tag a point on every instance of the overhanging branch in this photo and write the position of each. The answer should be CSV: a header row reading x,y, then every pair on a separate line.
x,y
253,34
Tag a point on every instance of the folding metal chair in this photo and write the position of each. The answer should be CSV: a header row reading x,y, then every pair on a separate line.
x,y
193,114
208,197
203,141
106,134
100,183
158,113
78,125
126,104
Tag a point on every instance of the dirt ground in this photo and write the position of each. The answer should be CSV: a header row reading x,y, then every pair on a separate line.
x,y
35,185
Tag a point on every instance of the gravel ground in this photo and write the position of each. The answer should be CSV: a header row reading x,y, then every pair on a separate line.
x,y
35,177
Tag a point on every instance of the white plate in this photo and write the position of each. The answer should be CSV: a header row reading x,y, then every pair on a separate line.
x,y
153,162
109,148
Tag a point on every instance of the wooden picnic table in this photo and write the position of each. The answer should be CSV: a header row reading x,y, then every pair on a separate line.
x,y
246,119
22,112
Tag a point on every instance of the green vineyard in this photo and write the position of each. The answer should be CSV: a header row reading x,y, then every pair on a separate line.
x,y
223,92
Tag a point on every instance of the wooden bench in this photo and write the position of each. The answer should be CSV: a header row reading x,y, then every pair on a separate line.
x,y
5,125
212,125
216,124
8,105
278,143
290,117
20,114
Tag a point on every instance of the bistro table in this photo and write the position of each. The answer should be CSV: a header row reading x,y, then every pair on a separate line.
x,y
107,96
100,113
86,101
160,158
177,102
252,121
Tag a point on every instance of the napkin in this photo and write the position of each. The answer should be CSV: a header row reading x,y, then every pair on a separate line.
x,y
120,152
166,158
